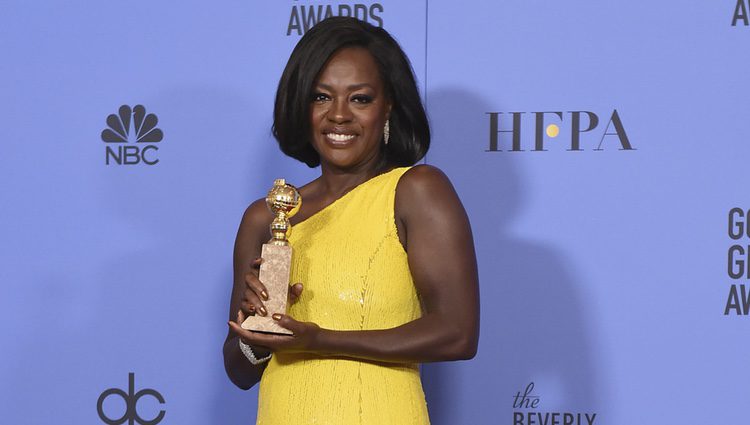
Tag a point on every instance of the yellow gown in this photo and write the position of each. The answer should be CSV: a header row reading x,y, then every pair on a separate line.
x,y
356,277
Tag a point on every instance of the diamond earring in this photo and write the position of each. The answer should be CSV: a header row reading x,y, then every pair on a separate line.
x,y
387,131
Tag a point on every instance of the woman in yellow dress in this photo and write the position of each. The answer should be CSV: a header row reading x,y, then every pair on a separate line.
x,y
382,248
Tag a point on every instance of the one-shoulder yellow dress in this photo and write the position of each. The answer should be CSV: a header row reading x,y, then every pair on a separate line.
x,y
356,277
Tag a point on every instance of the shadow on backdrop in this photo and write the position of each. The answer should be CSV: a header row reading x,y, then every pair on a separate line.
x,y
533,321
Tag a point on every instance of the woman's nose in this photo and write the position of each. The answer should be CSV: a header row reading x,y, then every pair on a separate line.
x,y
340,111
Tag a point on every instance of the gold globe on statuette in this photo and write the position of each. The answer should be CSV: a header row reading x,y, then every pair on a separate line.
x,y
284,201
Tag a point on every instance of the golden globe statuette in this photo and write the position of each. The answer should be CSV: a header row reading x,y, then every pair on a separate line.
x,y
284,201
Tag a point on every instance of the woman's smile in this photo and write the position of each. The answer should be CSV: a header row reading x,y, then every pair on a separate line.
x,y
339,138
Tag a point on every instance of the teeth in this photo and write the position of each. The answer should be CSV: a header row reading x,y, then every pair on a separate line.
x,y
340,137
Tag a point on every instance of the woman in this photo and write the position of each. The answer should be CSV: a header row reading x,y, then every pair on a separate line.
x,y
382,247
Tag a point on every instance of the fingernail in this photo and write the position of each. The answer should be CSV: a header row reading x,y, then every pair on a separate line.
x,y
276,316
264,294
262,310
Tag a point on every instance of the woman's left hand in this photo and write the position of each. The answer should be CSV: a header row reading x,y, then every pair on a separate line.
x,y
304,336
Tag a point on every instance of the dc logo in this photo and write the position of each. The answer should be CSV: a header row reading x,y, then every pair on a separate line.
x,y
118,134
131,401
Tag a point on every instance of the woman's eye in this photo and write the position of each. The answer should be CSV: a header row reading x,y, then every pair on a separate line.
x,y
320,97
361,98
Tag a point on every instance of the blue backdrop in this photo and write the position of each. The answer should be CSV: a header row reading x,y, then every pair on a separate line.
x,y
600,149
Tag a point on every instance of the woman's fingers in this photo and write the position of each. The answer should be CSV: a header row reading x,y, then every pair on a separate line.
x,y
304,338
295,291
238,326
245,335
249,308
251,304
258,339
241,317
252,280
287,322
255,293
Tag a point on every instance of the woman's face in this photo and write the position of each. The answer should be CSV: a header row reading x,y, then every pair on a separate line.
x,y
349,109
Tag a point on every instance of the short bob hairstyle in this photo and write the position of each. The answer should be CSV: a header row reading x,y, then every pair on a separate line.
x,y
409,130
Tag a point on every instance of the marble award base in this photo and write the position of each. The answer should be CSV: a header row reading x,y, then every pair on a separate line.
x,y
274,273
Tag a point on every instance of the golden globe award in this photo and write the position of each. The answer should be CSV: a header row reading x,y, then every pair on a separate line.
x,y
284,201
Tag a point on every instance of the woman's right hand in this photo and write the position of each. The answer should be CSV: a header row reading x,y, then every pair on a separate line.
x,y
255,292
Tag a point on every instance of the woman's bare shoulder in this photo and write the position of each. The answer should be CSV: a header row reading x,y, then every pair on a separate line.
x,y
257,214
424,183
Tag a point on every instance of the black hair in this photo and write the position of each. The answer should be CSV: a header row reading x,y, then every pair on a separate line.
x,y
409,129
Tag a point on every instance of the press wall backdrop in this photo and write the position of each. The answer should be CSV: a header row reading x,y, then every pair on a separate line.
x,y
600,148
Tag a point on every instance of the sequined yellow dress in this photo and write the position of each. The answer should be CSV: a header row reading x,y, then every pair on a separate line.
x,y
356,277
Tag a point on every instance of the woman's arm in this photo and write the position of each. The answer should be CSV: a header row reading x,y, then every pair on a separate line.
x,y
435,231
247,245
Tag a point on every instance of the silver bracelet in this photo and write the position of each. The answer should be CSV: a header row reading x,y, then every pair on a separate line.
x,y
248,352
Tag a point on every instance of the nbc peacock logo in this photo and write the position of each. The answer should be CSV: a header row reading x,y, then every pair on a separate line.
x,y
130,136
